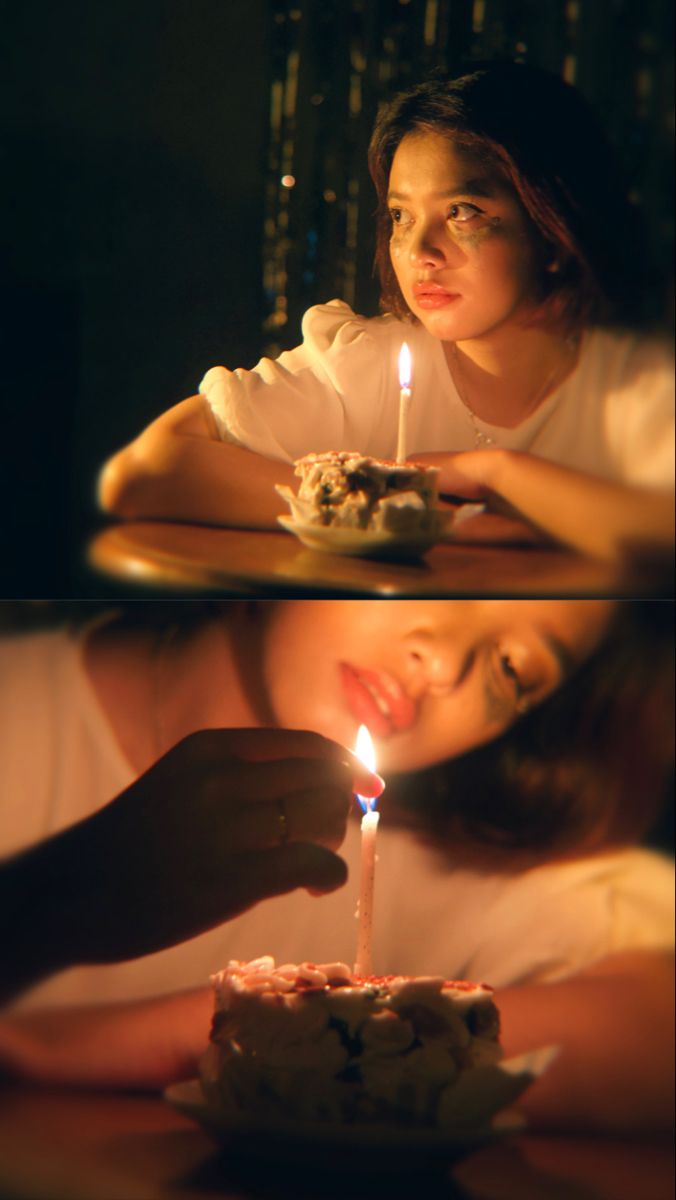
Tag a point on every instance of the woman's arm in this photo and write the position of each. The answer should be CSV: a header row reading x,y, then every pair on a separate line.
x,y
225,819
614,1023
604,519
144,1044
175,470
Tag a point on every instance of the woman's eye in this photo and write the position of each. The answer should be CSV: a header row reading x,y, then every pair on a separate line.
x,y
509,670
462,212
398,216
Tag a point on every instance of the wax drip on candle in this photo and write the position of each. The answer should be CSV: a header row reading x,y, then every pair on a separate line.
x,y
369,825
404,399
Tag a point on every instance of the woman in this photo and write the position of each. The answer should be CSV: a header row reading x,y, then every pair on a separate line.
x,y
509,261
434,679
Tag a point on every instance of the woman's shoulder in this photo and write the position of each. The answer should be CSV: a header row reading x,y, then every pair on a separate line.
x,y
36,702
26,653
336,324
632,886
40,672
636,864
628,357
587,908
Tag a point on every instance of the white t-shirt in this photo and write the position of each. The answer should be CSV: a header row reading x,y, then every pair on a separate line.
x,y
339,390
60,761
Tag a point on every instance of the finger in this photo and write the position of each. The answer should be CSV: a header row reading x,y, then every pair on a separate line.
x,y
492,527
317,818
263,782
282,869
365,782
458,490
318,815
304,743
263,745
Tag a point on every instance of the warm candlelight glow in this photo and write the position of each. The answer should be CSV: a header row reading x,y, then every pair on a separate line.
x,y
404,366
366,754
404,399
369,825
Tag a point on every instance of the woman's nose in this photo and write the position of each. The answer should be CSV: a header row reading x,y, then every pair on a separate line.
x,y
435,663
426,249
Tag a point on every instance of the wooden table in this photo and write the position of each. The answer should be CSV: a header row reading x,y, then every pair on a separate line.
x,y
61,1145
236,562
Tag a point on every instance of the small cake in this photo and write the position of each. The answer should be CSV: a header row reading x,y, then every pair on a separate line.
x,y
354,491
318,1043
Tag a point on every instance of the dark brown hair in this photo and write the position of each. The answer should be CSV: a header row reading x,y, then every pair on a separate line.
x,y
541,136
589,769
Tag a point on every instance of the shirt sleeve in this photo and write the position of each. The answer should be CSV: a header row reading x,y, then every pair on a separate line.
x,y
556,920
640,417
310,398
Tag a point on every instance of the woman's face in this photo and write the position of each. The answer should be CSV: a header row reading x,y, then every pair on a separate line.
x,y
429,678
462,248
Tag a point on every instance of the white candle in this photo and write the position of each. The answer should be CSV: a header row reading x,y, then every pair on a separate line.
x,y
369,827
404,399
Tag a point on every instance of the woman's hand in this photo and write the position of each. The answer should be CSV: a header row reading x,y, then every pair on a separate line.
x,y
225,819
463,474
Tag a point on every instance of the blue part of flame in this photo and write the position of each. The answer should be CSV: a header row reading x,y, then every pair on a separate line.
x,y
367,803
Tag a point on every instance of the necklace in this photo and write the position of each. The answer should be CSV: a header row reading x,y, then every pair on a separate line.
x,y
482,439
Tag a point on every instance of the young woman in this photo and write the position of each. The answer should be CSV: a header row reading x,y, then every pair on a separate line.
x,y
510,262
196,834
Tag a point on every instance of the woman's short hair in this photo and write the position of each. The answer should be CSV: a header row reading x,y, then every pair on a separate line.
x,y
540,134
589,769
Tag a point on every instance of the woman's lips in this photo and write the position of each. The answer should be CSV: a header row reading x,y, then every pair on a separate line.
x,y
431,295
377,700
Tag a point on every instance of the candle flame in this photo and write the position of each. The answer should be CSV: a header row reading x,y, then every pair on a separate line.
x,y
366,754
404,366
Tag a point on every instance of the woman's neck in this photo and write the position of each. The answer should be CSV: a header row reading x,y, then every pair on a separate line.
x,y
157,685
504,377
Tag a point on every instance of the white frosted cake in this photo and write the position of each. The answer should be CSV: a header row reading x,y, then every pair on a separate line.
x,y
318,1043
355,491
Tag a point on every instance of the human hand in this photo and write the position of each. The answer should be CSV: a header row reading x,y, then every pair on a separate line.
x,y
495,529
477,475
467,474
225,819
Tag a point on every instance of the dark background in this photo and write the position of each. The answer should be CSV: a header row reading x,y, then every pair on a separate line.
x,y
144,233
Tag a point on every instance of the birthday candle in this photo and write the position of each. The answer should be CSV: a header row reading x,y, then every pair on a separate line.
x,y
369,828
404,399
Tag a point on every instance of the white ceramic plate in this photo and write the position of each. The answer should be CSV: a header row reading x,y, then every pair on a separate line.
x,y
364,543
479,1114
371,1147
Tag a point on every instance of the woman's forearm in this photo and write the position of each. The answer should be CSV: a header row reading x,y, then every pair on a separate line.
x,y
614,1024
607,520
176,471
140,1044
36,934
604,519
